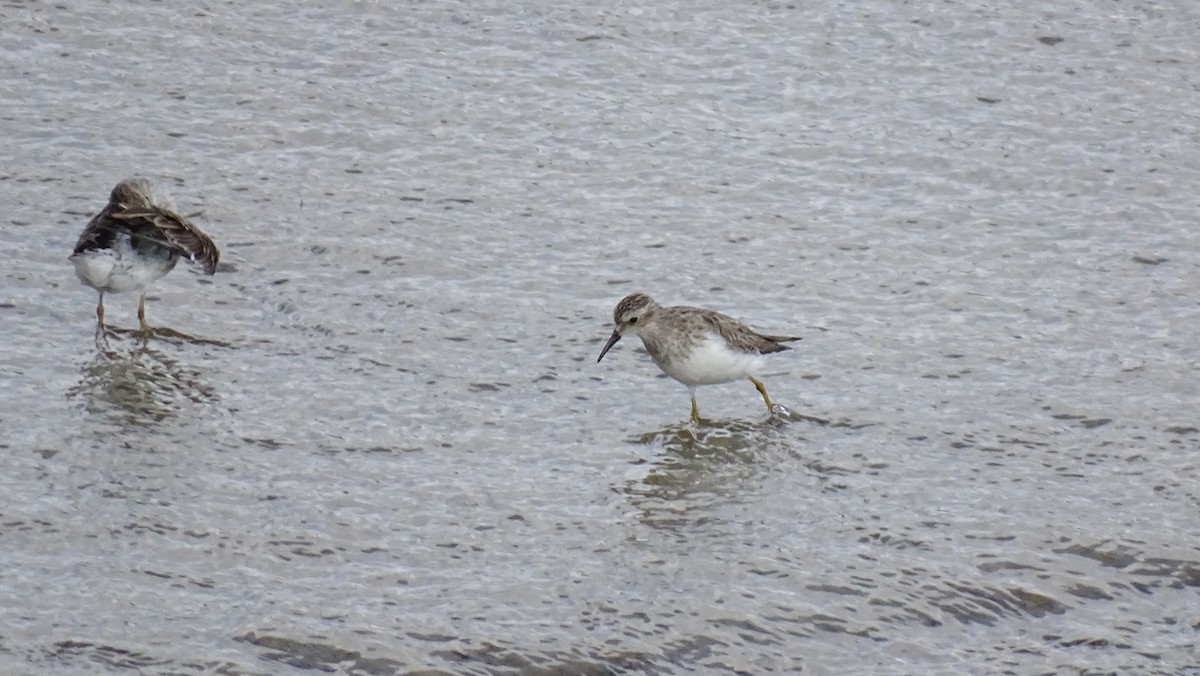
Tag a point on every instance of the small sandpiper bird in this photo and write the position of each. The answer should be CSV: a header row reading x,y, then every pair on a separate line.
x,y
134,241
695,346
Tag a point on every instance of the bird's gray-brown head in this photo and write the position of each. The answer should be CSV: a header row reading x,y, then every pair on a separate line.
x,y
629,316
138,193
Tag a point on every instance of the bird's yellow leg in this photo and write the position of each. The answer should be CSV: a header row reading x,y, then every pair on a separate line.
x,y
695,410
763,391
142,325
101,330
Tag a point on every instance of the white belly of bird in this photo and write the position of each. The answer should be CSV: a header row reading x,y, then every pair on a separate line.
x,y
119,268
712,361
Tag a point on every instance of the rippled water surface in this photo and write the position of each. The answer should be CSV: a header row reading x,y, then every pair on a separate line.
x,y
393,451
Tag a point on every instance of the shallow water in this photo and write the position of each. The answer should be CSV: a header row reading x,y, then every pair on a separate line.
x,y
980,217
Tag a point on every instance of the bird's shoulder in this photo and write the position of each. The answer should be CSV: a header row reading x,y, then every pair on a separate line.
x,y
100,232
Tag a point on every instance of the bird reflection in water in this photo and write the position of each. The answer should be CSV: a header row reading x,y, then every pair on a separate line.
x,y
704,433
703,465
162,333
138,387
699,467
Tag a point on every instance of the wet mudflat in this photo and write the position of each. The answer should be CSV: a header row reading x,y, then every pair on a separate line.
x,y
393,450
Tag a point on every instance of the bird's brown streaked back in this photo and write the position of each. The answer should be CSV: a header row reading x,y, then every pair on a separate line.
x,y
741,337
176,232
135,206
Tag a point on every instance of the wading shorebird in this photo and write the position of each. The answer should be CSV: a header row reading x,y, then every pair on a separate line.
x,y
695,346
133,242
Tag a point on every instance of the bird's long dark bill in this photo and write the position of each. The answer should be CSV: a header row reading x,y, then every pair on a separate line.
x,y
607,346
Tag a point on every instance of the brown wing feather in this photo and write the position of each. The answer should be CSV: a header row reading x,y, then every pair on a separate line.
x,y
743,338
781,339
94,232
177,232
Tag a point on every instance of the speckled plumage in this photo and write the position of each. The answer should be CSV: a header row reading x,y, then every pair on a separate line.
x,y
135,240
693,345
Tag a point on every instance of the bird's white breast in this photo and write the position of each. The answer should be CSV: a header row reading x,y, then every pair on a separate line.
x,y
119,268
711,361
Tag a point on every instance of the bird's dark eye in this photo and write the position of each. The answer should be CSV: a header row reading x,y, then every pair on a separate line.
x,y
633,320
